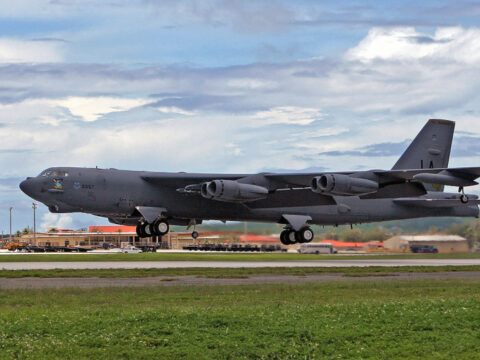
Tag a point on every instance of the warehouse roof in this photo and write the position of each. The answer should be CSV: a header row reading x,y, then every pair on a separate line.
x,y
436,237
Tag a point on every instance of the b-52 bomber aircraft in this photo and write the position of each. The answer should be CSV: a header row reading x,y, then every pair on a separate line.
x,y
153,201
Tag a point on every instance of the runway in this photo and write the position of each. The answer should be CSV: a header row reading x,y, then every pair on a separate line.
x,y
194,280
232,264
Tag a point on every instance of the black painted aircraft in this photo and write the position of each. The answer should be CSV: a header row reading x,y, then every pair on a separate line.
x,y
152,201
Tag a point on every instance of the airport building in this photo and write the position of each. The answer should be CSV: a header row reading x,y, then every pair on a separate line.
x,y
115,236
444,243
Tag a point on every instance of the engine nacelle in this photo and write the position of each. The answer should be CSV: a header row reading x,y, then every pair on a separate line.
x,y
338,184
232,191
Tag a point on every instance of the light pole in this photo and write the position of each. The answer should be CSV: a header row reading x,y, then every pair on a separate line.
x,y
34,207
10,234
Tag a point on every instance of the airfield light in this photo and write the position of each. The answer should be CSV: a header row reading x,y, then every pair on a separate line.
x,y
10,233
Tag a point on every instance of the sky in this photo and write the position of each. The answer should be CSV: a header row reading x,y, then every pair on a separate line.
x,y
228,86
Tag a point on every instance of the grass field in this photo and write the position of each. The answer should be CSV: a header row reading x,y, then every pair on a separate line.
x,y
351,320
228,272
220,257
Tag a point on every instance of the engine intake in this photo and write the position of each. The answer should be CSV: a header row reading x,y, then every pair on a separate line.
x,y
232,191
338,184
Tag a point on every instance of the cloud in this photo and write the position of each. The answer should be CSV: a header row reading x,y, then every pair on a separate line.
x,y
374,150
33,51
466,146
451,43
287,115
295,115
91,108
58,221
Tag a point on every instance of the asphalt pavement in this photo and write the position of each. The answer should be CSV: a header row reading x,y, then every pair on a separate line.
x,y
231,264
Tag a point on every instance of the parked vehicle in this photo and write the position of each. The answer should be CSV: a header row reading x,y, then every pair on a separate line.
x,y
423,249
317,248
130,249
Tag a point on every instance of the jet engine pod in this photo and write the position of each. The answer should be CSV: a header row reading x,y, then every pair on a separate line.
x,y
232,191
338,184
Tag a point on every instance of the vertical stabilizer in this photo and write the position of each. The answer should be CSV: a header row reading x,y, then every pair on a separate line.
x,y
430,149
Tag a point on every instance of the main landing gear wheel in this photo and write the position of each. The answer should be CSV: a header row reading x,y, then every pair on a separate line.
x,y
304,235
159,228
289,236
284,237
143,230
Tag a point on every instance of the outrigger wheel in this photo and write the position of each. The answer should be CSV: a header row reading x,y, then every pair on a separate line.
x,y
463,198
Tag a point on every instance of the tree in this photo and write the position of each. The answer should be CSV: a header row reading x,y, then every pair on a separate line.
x,y
468,230
352,235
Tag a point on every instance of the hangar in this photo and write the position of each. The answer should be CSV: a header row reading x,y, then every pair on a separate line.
x,y
444,243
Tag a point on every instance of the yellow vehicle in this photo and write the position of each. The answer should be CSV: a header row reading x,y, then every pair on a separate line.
x,y
14,246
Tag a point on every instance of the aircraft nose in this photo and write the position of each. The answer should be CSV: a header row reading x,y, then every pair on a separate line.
x,y
27,186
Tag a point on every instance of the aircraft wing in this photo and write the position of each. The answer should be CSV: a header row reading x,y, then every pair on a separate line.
x,y
467,174
184,179
470,173
434,203
298,179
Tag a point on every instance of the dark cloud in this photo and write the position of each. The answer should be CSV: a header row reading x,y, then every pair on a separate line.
x,y
11,182
190,102
463,146
314,169
423,39
50,39
15,151
466,146
374,150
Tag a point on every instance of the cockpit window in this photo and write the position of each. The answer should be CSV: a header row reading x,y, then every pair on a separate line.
x,y
54,173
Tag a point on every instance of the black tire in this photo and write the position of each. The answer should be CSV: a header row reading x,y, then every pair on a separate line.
x,y
284,237
195,235
147,230
292,238
304,235
160,228
464,199
139,230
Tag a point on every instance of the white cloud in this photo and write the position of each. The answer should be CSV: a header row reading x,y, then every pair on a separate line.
x,y
91,108
29,51
406,43
286,115
58,221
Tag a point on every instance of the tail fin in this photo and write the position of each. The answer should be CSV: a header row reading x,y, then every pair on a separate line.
x,y
430,149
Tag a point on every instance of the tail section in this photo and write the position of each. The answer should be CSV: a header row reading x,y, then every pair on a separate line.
x,y
430,149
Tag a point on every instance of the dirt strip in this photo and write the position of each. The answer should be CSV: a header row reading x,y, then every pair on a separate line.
x,y
192,280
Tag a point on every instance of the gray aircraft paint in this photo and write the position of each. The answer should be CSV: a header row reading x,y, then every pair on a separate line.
x,y
127,197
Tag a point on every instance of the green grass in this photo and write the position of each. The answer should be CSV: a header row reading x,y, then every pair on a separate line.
x,y
220,257
228,272
348,320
